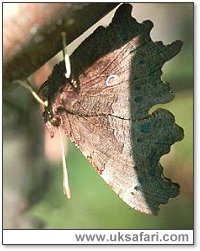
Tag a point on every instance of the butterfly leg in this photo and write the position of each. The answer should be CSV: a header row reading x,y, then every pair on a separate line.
x,y
25,83
68,73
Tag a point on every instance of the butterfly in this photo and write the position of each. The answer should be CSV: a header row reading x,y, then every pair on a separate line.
x,y
117,71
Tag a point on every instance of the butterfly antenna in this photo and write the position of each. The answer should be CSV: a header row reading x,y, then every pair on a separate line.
x,y
25,83
66,56
66,189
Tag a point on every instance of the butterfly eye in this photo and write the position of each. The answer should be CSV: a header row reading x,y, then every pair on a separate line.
x,y
47,115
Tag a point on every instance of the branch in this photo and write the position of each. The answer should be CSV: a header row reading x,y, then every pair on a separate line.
x,y
32,34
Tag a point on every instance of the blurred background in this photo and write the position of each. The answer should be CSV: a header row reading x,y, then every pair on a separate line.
x,y
32,170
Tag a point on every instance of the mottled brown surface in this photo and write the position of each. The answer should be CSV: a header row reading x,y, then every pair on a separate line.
x,y
119,73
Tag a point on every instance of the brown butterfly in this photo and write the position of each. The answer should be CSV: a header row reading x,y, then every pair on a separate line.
x,y
118,79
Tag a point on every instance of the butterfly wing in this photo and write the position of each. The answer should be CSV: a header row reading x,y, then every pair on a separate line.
x,y
117,136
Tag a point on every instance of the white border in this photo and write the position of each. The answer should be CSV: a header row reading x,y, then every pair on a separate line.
x,y
16,236
119,237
